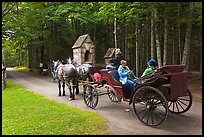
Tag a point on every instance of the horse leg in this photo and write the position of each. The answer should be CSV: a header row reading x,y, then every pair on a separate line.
x,y
77,88
70,89
73,95
59,86
63,85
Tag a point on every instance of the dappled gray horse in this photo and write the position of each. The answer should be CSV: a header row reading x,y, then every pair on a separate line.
x,y
83,70
67,73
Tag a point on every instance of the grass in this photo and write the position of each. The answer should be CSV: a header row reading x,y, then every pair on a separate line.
x,y
21,68
27,113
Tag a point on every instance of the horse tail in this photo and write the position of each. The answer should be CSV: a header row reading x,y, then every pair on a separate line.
x,y
74,75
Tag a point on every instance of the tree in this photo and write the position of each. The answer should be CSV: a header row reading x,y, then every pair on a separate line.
x,y
188,36
46,31
152,35
165,55
157,40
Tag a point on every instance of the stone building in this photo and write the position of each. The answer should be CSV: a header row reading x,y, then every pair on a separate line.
x,y
111,53
84,50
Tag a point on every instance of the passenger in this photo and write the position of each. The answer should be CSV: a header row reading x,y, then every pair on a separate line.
x,y
115,62
152,65
126,77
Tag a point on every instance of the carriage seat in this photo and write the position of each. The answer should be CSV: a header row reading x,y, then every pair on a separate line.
x,y
114,74
126,89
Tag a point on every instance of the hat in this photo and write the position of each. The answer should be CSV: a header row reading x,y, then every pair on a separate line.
x,y
152,62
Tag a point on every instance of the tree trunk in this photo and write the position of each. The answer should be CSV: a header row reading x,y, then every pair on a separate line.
x,y
188,37
36,58
19,57
152,36
179,36
115,29
136,50
30,55
157,42
200,77
42,54
165,61
4,77
174,51
126,45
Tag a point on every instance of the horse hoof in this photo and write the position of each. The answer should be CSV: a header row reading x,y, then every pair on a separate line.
x,y
64,94
59,94
70,99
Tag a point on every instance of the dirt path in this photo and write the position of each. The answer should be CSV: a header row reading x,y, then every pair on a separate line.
x,y
119,121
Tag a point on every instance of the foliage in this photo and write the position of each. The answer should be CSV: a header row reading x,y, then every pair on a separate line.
x,y
46,31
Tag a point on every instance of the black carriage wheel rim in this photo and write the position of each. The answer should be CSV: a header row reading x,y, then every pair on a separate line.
x,y
111,95
181,104
151,110
90,96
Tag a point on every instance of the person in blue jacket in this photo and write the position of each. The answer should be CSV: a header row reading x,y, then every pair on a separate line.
x,y
126,77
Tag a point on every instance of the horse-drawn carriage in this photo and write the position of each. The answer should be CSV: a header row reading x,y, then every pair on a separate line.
x,y
155,96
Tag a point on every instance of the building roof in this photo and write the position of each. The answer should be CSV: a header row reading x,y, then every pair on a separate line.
x,y
110,53
80,41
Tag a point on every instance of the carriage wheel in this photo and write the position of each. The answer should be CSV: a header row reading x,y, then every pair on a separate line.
x,y
90,96
150,106
111,95
181,104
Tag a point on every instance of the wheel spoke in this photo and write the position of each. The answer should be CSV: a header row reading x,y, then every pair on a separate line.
x,y
156,102
88,102
183,103
180,105
155,112
87,99
170,104
177,107
92,104
148,118
159,114
152,119
141,111
173,106
142,103
152,99
90,96
144,114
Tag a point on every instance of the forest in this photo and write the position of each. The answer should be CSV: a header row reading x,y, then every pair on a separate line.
x,y
169,32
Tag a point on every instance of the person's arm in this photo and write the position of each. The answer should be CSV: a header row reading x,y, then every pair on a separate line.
x,y
148,71
145,72
122,73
